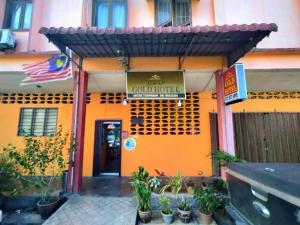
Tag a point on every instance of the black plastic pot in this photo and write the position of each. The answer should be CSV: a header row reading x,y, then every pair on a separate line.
x,y
19,202
46,210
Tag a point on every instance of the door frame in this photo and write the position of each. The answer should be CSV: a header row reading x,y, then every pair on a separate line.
x,y
97,145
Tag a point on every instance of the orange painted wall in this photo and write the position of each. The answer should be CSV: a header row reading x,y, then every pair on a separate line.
x,y
168,153
9,121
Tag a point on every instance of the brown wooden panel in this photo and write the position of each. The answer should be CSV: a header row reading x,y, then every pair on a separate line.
x,y
214,137
263,137
282,136
249,136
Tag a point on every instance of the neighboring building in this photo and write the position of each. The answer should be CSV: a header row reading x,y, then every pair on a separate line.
x,y
169,138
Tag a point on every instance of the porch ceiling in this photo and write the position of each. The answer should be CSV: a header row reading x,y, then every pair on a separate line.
x,y
232,41
257,80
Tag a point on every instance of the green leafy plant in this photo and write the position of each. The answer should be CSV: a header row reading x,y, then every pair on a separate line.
x,y
175,183
154,183
189,182
141,189
183,204
11,181
42,160
219,184
224,158
165,204
208,199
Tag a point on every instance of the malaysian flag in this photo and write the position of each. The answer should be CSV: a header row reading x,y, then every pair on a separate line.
x,y
53,69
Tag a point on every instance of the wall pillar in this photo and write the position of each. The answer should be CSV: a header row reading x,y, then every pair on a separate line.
x,y
225,120
78,125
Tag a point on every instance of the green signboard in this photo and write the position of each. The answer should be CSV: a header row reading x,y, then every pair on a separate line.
x,y
155,85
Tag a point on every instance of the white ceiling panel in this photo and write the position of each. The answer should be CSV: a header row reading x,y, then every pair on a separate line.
x,y
115,81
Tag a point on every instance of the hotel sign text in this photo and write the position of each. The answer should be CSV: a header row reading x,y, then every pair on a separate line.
x,y
235,88
155,85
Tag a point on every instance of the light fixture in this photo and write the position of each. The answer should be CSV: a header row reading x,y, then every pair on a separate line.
x,y
125,101
179,103
111,126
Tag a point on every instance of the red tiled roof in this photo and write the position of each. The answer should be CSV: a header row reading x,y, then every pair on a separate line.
x,y
232,41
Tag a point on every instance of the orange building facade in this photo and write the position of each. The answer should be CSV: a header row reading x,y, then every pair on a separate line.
x,y
172,138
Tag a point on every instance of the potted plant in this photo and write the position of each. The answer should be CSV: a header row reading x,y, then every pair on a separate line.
x,y
142,192
42,160
166,211
208,200
189,184
175,183
184,210
154,184
9,177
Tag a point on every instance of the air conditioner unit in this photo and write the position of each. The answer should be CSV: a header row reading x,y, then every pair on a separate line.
x,y
7,39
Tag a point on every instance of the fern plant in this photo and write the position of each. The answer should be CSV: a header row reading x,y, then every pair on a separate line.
x,y
225,158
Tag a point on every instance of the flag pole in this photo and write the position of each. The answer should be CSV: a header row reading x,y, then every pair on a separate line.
x,y
74,142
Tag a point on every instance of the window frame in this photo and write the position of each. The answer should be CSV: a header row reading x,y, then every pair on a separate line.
x,y
110,12
172,7
33,119
22,16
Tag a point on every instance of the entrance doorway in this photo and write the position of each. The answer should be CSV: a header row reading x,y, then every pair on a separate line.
x,y
107,151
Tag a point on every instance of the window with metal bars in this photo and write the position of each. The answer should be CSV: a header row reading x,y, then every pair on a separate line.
x,y
37,121
173,12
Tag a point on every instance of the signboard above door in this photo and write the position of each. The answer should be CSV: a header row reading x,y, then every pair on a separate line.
x,y
155,85
235,88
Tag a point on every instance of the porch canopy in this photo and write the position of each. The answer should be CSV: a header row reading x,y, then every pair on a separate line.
x,y
232,41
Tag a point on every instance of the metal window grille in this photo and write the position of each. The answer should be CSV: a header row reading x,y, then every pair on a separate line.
x,y
37,121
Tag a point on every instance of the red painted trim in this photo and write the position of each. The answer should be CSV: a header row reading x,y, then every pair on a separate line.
x,y
78,161
220,109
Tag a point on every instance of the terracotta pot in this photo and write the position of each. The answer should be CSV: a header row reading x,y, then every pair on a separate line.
x,y
145,217
46,210
205,218
190,190
173,190
184,216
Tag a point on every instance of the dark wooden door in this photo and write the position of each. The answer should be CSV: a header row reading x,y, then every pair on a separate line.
x,y
282,132
265,137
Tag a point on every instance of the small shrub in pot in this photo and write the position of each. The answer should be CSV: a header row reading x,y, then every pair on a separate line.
x,y
208,200
184,210
142,192
189,184
42,160
166,211
154,184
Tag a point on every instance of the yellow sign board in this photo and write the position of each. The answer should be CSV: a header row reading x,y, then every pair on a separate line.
x,y
156,85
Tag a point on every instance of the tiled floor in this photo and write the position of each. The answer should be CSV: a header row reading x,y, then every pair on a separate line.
x,y
103,201
106,186
98,210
